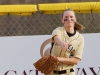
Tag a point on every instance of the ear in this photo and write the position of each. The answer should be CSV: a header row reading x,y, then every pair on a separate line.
x,y
62,20
75,19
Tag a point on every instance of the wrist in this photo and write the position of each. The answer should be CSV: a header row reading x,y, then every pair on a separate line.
x,y
60,43
59,60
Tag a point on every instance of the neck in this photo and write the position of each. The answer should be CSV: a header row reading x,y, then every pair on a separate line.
x,y
70,30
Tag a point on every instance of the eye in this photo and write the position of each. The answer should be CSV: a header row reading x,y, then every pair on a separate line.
x,y
71,16
66,16
65,19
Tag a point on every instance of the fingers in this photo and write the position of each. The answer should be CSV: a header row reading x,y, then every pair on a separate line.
x,y
64,45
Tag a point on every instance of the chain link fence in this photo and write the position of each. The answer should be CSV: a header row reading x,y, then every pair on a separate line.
x,y
43,24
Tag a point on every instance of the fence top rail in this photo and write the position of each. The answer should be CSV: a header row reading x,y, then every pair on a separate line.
x,y
78,7
18,9
50,8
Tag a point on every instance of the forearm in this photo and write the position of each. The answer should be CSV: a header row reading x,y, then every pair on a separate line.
x,y
57,40
68,60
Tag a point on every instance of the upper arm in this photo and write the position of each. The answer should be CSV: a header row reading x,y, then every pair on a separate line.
x,y
56,32
79,50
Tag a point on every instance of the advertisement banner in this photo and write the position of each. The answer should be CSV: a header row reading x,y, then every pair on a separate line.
x,y
18,53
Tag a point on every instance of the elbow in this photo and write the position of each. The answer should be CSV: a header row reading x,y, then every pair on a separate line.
x,y
76,61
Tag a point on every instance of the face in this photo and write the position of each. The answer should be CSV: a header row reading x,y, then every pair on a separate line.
x,y
68,19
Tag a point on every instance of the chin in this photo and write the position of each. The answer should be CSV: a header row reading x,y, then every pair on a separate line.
x,y
69,26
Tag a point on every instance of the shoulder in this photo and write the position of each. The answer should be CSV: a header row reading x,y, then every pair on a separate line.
x,y
59,28
58,31
79,35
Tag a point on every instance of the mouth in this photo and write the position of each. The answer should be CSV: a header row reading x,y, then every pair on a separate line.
x,y
69,22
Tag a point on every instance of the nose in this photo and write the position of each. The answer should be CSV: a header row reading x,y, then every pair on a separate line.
x,y
69,19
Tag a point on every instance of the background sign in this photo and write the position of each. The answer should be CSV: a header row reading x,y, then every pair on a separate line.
x,y
18,53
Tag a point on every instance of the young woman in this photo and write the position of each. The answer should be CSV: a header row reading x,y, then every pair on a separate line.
x,y
68,44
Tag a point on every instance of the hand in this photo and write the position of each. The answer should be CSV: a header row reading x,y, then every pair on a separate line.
x,y
59,59
64,45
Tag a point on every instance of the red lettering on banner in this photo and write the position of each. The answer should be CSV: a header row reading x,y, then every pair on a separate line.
x,y
30,71
33,70
36,72
78,70
10,71
94,73
24,73
83,71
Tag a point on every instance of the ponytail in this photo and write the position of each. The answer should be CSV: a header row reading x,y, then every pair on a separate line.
x,y
78,26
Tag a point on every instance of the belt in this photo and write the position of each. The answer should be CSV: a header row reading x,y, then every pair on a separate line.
x,y
62,71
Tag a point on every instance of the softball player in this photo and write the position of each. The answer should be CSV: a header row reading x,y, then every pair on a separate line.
x,y
68,44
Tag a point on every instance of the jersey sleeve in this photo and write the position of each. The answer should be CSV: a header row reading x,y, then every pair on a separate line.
x,y
79,51
56,32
